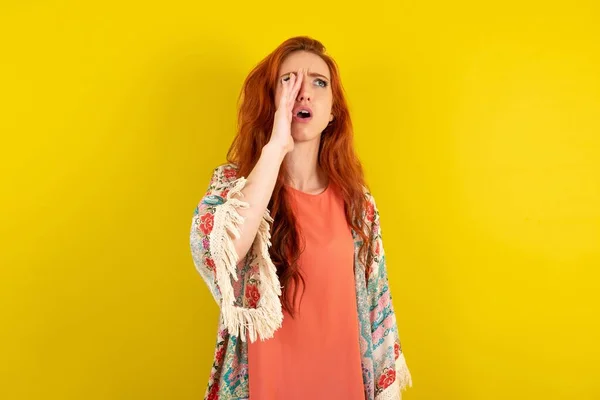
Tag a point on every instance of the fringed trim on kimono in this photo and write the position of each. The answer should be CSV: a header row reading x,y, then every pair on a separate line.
x,y
402,382
266,318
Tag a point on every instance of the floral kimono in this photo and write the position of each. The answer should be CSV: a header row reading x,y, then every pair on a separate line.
x,y
247,292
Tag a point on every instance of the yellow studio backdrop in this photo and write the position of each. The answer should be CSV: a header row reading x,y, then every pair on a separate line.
x,y
478,126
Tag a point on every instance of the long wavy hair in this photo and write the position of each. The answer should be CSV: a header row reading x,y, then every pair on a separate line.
x,y
337,158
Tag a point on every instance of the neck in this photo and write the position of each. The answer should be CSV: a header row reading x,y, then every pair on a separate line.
x,y
303,169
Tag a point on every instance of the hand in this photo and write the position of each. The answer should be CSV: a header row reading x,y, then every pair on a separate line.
x,y
282,123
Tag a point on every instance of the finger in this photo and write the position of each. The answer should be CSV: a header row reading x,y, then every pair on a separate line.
x,y
296,87
289,83
298,83
289,95
292,81
286,83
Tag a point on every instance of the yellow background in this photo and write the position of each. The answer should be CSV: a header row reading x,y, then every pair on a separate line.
x,y
478,126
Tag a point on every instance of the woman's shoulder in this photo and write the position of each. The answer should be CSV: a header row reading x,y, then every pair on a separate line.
x,y
370,213
368,195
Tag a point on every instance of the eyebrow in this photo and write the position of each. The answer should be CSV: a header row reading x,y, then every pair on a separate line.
x,y
313,74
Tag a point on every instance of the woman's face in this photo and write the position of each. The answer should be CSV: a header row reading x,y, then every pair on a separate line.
x,y
315,94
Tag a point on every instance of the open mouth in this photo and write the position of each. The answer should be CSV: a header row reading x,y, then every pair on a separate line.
x,y
303,114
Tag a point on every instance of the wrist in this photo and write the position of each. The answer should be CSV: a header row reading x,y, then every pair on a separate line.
x,y
274,149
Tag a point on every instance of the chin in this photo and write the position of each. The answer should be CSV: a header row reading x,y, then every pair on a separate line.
x,y
304,134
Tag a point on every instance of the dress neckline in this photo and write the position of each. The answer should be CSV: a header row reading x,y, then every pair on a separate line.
x,y
313,195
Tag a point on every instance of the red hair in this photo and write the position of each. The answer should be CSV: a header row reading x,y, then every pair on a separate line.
x,y
337,157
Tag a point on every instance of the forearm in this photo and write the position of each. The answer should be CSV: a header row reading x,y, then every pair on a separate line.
x,y
257,193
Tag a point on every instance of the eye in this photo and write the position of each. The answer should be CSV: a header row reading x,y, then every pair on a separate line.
x,y
321,82
287,77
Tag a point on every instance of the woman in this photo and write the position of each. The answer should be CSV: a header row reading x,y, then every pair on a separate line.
x,y
288,240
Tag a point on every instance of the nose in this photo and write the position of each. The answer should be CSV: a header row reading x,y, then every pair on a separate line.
x,y
305,94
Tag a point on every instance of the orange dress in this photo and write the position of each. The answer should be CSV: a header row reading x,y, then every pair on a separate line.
x,y
315,355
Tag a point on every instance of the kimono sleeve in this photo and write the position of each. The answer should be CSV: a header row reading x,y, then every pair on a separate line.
x,y
210,238
215,224
391,372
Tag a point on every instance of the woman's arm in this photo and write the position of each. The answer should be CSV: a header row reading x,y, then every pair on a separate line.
x,y
257,193
216,223
232,217
230,214
261,181
238,218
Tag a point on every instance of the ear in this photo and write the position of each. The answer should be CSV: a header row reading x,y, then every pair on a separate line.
x,y
330,117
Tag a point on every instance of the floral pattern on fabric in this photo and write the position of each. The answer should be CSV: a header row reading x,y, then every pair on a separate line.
x,y
251,294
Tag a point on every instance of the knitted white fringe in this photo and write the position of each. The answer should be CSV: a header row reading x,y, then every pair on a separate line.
x,y
264,320
403,381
